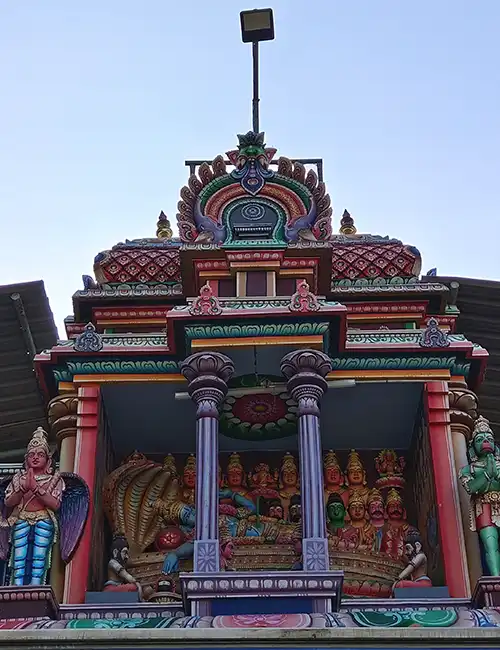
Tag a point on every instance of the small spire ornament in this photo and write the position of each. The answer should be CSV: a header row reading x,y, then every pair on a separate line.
x,y
347,226
163,229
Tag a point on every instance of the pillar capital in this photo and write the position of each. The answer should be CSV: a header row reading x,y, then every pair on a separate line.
x,y
463,408
207,374
62,416
305,371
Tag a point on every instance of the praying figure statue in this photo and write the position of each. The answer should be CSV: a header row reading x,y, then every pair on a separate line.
x,y
40,505
481,479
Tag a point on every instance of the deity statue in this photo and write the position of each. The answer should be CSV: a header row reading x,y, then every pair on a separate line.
x,y
356,476
396,528
481,479
376,514
189,480
295,509
236,480
359,534
38,506
390,467
182,515
415,573
289,481
170,466
336,514
263,484
119,579
334,477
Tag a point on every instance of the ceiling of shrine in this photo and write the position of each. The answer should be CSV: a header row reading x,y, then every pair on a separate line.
x,y
147,417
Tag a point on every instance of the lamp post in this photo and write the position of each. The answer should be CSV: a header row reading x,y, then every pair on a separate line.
x,y
256,25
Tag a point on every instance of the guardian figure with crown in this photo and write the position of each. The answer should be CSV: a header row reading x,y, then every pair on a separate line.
x,y
481,479
40,506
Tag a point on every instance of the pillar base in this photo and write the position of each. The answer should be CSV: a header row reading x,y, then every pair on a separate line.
x,y
206,555
28,602
315,554
487,592
246,592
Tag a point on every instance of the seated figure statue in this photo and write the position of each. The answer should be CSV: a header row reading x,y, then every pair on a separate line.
x,y
119,579
415,573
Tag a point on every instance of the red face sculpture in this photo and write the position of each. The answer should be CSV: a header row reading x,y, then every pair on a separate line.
x,y
235,477
333,476
189,478
37,460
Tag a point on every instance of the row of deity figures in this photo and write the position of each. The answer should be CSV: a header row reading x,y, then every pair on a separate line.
x,y
283,484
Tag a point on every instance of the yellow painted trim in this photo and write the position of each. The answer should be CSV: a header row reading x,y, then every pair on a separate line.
x,y
66,387
390,375
241,284
271,284
262,265
298,273
126,379
251,341
213,275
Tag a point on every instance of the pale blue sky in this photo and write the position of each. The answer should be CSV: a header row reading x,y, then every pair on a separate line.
x,y
103,100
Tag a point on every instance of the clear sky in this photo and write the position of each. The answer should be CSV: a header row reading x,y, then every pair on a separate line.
x,y
103,100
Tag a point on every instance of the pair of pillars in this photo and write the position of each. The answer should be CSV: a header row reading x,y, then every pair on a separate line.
x,y
208,374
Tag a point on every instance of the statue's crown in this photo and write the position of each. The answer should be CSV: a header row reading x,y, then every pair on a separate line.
x,y
288,464
375,495
39,440
234,461
482,425
190,462
354,461
331,459
393,496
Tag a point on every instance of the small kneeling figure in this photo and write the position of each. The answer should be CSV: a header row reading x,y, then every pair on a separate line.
x,y
119,579
415,573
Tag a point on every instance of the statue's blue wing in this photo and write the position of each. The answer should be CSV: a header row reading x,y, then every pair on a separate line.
x,y
72,513
4,513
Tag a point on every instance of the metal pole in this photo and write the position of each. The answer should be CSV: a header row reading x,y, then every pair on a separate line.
x,y
255,100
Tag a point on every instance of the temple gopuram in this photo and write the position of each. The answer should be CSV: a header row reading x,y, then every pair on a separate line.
x,y
262,432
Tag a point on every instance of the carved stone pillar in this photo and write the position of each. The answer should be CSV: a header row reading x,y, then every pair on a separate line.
x,y
463,413
305,371
62,417
207,374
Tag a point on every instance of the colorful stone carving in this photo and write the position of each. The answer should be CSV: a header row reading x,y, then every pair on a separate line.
x,y
415,573
397,527
206,304
119,579
356,476
481,479
189,480
40,506
334,477
289,482
390,467
303,300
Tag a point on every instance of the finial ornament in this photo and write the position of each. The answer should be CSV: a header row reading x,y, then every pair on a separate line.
x,y
206,304
164,230
89,340
347,226
433,336
303,299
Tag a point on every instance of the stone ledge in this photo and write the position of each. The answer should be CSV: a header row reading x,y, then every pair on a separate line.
x,y
28,602
487,592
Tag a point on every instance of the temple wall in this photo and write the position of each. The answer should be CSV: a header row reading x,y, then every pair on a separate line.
x,y
424,500
101,534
